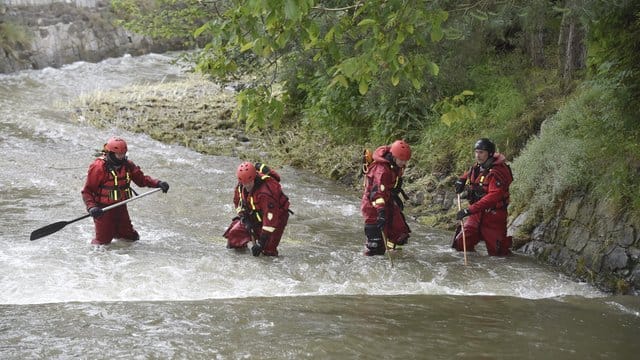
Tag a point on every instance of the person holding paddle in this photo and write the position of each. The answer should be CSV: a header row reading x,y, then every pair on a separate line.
x,y
109,182
487,184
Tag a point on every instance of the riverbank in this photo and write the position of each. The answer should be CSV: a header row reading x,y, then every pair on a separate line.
x,y
186,113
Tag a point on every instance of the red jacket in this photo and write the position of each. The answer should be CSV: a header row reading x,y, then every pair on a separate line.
x,y
106,185
489,187
381,178
266,204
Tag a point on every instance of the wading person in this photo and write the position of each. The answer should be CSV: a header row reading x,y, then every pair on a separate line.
x,y
262,209
381,206
109,182
487,185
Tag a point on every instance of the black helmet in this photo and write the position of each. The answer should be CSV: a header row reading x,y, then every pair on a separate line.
x,y
485,144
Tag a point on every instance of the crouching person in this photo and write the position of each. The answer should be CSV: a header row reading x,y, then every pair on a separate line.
x,y
262,210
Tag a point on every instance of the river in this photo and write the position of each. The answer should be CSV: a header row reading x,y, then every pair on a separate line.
x,y
178,293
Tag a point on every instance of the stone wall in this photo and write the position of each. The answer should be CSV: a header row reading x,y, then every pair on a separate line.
x,y
586,240
62,32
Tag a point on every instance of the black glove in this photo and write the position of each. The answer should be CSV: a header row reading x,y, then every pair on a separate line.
x,y
96,212
256,250
459,184
381,219
462,214
164,186
247,222
262,242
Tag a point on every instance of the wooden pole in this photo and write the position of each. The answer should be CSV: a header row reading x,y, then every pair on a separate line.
x,y
464,239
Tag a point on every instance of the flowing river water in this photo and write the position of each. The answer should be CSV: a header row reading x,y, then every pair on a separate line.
x,y
178,293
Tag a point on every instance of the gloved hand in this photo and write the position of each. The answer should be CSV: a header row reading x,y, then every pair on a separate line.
x,y
247,222
164,186
256,249
381,219
459,184
462,214
96,212
262,242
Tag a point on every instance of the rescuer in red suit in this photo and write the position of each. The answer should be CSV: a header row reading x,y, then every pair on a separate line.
x,y
108,182
262,208
381,205
487,184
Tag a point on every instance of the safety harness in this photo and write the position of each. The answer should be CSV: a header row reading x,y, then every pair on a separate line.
x,y
118,187
477,189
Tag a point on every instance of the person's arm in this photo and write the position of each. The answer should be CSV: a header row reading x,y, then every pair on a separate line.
x,y
91,188
142,180
266,201
383,183
236,198
383,178
461,183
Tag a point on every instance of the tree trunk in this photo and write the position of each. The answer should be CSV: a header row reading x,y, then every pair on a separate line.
x,y
535,46
572,52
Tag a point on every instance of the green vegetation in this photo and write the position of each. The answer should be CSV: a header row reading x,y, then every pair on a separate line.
x,y
560,101
13,36
166,19
590,144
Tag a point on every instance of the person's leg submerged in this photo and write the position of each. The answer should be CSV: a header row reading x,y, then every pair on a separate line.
x,y
124,227
104,229
471,234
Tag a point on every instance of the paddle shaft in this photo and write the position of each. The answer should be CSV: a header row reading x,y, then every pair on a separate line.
x,y
51,228
107,208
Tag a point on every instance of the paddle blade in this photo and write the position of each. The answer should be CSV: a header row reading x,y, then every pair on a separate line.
x,y
48,230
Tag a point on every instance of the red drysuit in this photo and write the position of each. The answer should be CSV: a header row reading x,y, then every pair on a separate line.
x,y
107,185
265,209
488,195
382,188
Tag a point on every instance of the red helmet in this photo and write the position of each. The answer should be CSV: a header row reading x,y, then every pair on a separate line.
x,y
116,145
246,172
401,150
